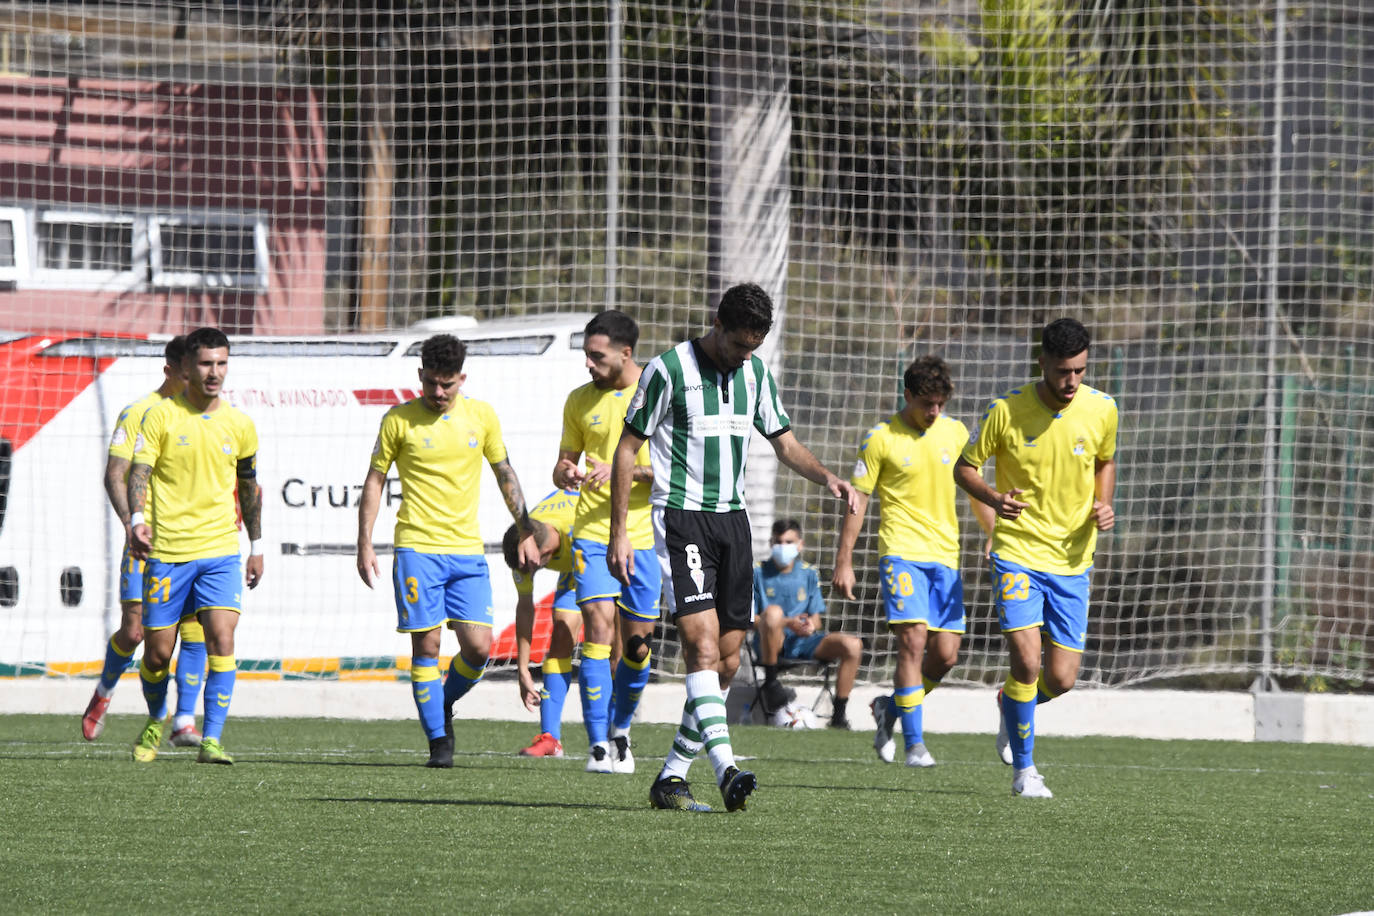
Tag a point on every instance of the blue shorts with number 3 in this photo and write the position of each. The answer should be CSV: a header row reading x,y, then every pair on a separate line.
x,y
435,588
928,593
1027,598
175,591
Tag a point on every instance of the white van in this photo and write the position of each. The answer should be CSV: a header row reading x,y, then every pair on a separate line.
x,y
317,403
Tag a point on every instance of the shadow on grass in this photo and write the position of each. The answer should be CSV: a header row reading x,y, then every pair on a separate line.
x,y
482,803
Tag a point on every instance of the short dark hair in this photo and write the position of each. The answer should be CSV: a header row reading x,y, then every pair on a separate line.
x,y
175,351
510,542
784,525
1063,337
616,325
444,354
204,339
746,307
928,377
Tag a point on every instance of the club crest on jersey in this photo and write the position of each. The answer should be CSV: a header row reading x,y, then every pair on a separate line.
x,y
801,593
945,456
472,439
227,447
1080,446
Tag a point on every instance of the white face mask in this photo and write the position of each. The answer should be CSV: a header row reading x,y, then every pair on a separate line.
x,y
784,554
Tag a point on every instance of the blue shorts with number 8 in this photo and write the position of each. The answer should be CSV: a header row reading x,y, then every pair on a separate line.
x,y
1027,598
929,593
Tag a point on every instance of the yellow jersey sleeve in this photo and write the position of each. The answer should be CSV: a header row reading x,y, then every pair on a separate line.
x,y
493,446
194,457
389,437
128,425
865,474
571,439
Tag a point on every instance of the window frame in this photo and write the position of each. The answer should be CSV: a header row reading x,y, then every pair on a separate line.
x,y
66,278
160,278
18,218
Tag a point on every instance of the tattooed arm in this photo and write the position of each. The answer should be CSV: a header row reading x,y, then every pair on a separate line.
x,y
116,488
136,494
250,506
509,485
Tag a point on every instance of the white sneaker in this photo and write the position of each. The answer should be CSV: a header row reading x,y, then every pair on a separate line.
x,y
918,756
1028,783
883,742
1003,740
622,759
599,759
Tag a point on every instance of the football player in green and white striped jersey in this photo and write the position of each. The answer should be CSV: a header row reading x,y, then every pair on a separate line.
x,y
696,405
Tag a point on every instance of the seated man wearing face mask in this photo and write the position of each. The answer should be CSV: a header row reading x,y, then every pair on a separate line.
x,y
787,621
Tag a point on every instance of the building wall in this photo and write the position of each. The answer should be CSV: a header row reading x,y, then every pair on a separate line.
x,y
180,150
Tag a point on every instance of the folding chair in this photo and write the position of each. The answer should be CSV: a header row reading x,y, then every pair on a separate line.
x,y
824,670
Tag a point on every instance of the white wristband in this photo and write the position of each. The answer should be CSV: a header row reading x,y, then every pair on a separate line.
x,y
255,548
136,519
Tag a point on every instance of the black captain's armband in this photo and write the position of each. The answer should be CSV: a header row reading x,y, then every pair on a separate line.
x,y
248,468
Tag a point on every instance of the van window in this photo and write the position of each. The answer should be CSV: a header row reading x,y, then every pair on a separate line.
x,y
530,345
296,348
107,347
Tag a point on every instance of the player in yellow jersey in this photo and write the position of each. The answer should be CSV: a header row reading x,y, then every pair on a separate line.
x,y
593,418
905,462
1053,443
119,651
192,451
552,519
438,442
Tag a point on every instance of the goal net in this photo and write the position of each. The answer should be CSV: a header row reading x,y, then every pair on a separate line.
x,y
1194,181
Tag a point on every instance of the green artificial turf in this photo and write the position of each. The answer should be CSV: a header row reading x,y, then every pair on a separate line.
x,y
341,817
